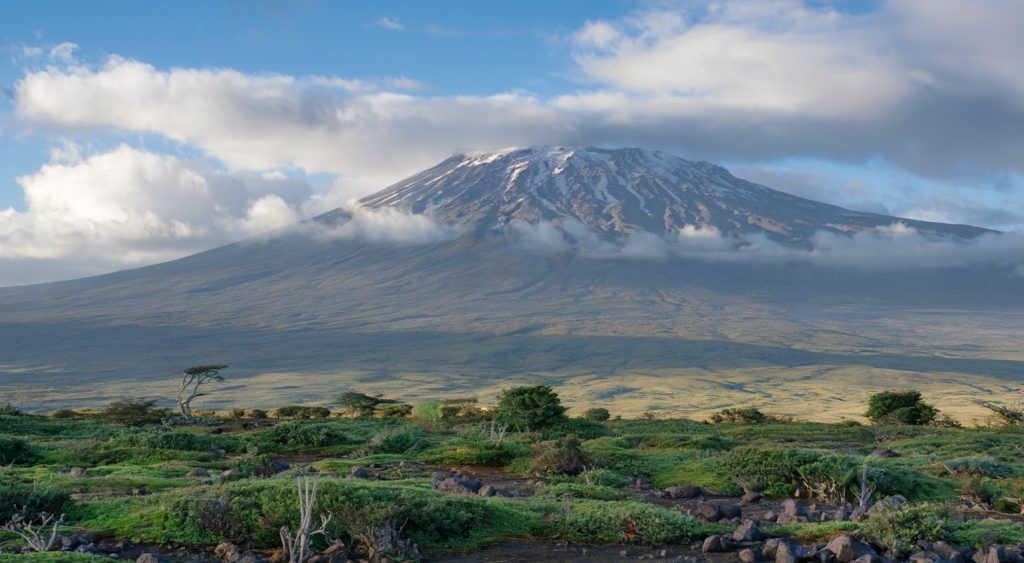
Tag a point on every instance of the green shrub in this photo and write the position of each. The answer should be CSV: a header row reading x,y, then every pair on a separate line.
x,y
559,457
628,521
10,410
899,528
256,510
299,411
16,451
298,434
400,410
398,440
603,478
428,411
530,408
15,496
258,414
978,467
775,472
161,438
739,416
237,413
904,407
583,491
596,414
256,466
133,412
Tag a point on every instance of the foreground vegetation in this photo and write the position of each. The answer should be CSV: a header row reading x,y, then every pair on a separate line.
x,y
401,481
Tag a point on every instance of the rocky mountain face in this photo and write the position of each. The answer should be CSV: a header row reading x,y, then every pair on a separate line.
x,y
618,192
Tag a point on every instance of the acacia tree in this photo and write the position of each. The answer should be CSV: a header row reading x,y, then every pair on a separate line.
x,y
191,380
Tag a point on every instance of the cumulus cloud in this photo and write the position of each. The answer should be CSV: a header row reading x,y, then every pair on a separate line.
x,y
933,86
127,207
257,122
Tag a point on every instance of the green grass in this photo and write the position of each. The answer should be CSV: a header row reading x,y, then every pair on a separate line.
x,y
594,507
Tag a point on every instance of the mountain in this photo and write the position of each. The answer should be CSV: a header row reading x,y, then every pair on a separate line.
x,y
457,305
619,192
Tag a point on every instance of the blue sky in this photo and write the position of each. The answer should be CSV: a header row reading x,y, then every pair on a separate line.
x,y
282,109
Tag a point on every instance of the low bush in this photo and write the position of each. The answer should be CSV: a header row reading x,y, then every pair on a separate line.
x,y
161,438
629,522
560,457
297,435
134,412
396,440
978,467
596,414
898,529
16,451
739,416
256,510
299,411
582,491
31,499
775,472
428,411
902,407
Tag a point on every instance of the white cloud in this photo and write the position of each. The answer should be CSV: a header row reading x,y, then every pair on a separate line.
x,y
383,225
63,52
889,248
255,122
388,23
128,207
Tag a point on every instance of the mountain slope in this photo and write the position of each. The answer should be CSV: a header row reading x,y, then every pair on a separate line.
x,y
300,316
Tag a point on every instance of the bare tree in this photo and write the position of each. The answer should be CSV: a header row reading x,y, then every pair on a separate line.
x,y
191,380
296,547
33,535
497,432
867,489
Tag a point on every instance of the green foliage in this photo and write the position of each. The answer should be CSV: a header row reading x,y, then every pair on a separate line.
x,y
160,438
898,528
477,453
603,478
904,407
979,533
560,457
10,410
133,412
16,451
596,414
256,466
583,491
258,414
297,435
775,472
15,496
739,416
629,521
530,408
237,413
400,410
360,405
428,411
303,412
256,510
978,467
396,440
